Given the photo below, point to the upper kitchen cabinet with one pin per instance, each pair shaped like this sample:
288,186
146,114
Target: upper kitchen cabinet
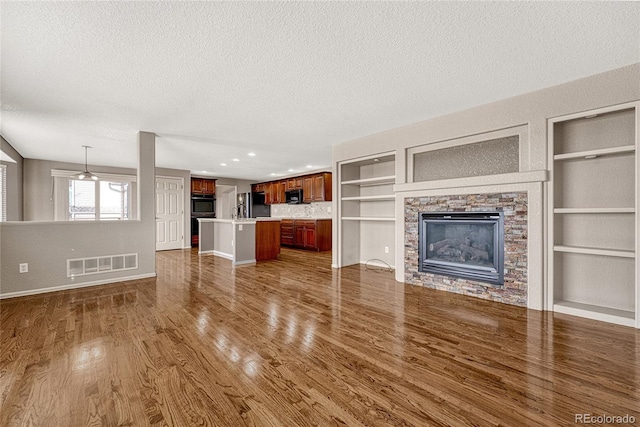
317,188
203,186
258,188
274,192
294,183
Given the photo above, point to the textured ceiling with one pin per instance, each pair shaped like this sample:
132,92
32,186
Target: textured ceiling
285,80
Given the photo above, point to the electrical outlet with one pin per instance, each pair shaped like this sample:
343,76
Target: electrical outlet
386,249
240,227
329,209
24,267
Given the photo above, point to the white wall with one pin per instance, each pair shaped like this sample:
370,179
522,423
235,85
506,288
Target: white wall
46,246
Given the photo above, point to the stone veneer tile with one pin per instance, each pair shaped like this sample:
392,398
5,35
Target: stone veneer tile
514,206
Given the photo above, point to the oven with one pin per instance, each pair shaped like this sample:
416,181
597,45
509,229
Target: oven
203,205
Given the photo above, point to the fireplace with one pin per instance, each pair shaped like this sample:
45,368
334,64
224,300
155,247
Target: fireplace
469,245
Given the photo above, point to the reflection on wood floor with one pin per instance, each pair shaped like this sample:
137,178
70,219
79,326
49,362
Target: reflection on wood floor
291,342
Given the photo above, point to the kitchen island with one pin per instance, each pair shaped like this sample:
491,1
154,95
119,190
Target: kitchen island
243,241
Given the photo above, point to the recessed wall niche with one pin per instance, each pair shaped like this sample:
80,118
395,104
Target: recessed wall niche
489,157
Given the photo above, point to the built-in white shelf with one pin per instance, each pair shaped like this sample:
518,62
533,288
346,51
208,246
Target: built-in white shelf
367,218
594,251
365,198
576,185
600,152
378,180
595,312
594,210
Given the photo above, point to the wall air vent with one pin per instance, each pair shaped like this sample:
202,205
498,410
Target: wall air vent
101,264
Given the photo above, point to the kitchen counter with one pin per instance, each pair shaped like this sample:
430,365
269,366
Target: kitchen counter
243,241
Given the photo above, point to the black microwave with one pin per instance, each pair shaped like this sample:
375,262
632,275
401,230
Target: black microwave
294,196
204,205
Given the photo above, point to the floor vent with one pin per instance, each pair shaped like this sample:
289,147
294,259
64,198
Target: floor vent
102,264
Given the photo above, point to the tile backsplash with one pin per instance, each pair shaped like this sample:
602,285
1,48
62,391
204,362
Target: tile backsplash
311,210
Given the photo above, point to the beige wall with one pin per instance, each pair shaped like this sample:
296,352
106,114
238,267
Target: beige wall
14,182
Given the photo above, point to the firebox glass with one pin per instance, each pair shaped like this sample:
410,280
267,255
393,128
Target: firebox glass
460,243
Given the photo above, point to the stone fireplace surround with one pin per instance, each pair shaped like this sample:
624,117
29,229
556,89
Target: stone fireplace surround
515,207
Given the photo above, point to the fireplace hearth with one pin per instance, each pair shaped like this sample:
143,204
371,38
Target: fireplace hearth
469,245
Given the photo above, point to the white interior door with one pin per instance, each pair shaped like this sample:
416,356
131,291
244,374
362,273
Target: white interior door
169,214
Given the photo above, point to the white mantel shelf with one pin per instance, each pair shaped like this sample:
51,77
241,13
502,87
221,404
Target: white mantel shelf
475,181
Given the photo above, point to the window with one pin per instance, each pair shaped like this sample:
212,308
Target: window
3,193
110,198
90,200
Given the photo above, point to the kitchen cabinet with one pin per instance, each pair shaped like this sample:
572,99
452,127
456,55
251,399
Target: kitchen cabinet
313,234
276,193
286,232
317,188
258,188
203,186
294,183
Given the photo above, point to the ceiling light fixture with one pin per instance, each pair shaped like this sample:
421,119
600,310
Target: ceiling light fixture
252,154
223,164
309,166
272,174
290,170
86,174
235,160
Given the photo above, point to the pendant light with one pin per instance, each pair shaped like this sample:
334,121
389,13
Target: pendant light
86,174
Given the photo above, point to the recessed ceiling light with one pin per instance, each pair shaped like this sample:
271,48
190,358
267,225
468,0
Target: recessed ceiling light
376,160
205,172
252,154
272,174
223,164
236,160
309,166
290,170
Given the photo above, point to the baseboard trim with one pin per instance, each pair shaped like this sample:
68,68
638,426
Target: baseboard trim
223,255
75,286
377,264
249,261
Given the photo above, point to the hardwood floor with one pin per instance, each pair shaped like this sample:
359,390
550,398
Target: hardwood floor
291,342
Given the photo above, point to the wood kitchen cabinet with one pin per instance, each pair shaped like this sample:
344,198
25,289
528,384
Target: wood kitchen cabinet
203,186
317,188
286,232
258,188
294,183
276,193
313,234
